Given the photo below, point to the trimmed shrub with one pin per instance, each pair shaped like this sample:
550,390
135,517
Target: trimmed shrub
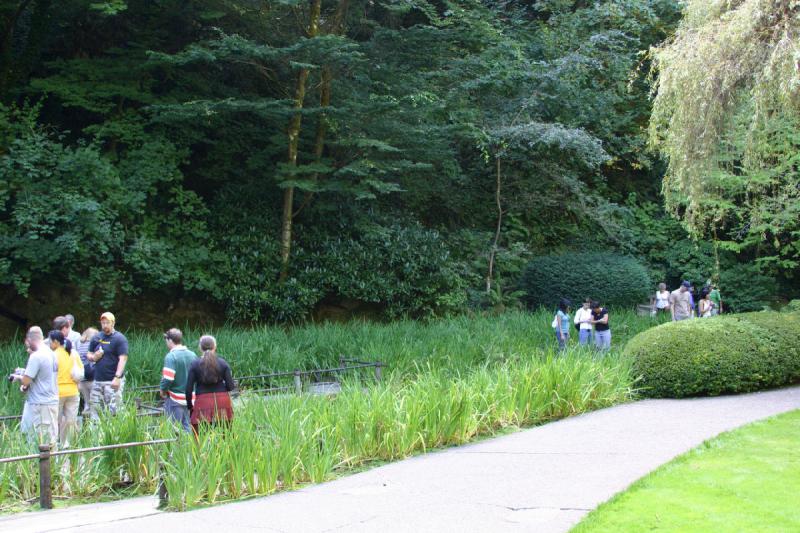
611,279
712,356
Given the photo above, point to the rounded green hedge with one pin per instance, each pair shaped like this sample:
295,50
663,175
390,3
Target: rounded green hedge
611,279
710,356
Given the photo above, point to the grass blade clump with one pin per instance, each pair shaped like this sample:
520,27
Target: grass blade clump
447,383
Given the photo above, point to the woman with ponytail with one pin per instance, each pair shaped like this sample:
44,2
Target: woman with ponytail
208,387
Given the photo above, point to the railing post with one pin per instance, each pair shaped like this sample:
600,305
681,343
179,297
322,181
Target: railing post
298,384
378,371
341,361
45,490
163,496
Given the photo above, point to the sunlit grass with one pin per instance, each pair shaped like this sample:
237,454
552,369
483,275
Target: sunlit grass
406,346
744,480
446,383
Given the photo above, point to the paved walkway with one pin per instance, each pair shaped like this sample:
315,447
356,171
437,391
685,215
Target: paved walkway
543,479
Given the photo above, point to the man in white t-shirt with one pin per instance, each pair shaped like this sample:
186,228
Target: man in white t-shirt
73,336
583,317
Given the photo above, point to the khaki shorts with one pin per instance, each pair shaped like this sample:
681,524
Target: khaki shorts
40,423
67,418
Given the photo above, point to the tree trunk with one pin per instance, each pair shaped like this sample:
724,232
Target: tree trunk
293,135
322,125
6,59
493,251
336,27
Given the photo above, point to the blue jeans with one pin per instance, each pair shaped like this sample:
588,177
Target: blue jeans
585,336
562,340
177,412
602,339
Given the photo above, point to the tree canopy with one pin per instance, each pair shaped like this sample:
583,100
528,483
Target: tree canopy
269,157
725,116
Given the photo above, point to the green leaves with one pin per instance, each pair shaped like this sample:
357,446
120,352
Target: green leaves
607,278
725,118
712,356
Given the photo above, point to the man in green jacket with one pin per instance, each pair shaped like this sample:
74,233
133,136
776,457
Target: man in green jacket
174,376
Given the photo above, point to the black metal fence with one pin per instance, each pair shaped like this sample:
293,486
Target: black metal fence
301,381
266,384
294,381
45,475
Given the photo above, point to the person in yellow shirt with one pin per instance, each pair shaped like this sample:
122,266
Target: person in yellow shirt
68,397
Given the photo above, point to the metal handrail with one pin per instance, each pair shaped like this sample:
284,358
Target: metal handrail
345,365
86,450
354,366
44,455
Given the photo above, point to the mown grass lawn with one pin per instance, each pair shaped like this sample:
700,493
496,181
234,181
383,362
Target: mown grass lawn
747,480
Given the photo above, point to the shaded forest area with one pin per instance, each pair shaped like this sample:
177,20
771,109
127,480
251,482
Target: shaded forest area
265,160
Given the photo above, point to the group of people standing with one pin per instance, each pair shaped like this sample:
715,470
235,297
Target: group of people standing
591,321
66,369
681,303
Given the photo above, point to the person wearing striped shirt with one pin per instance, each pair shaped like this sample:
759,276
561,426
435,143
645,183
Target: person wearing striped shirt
174,376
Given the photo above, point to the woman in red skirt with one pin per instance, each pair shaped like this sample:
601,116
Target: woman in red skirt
208,387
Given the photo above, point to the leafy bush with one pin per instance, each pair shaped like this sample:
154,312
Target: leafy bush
406,270
791,307
745,288
725,354
609,278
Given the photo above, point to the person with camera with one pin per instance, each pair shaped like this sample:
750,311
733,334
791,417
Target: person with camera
38,381
109,353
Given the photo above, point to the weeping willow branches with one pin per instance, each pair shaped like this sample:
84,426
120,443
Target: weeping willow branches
725,113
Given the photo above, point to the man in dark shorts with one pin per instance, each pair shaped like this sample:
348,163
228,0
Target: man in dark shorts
109,351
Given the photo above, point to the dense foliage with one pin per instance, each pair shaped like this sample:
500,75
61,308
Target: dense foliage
725,116
726,354
610,279
267,158
271,156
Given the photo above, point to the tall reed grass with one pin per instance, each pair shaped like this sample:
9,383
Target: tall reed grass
447,381
285,441
405,346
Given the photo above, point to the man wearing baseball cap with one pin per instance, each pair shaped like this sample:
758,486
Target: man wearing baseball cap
109,351
681,302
